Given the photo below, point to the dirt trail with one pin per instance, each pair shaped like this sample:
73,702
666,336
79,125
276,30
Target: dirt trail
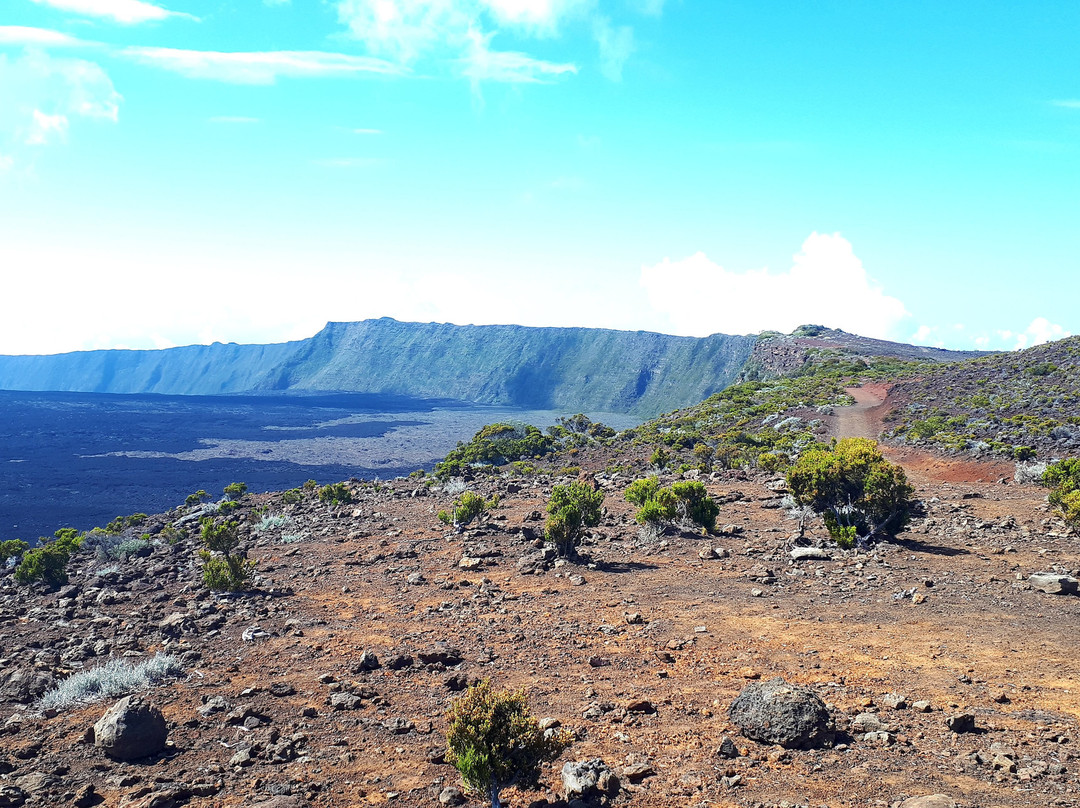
865,419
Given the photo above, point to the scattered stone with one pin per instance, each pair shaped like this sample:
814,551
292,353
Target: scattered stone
641,706
961,722
585,778
131,729
727,749
929,801
87,797
1053,584
282,689
776,712
894,701
921,706
809,554
346,701
451,795
253,633
368,662
636,772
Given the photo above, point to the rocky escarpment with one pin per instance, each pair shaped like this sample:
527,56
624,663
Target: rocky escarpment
579,369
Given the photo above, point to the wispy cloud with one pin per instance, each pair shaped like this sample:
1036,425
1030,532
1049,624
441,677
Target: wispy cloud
38,37
1067,103
616,46
260,67
43,94
480,63
127,12
459,33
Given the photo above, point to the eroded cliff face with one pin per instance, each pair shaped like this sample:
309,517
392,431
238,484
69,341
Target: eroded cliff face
574,368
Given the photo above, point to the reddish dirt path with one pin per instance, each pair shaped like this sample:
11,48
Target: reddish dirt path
865,419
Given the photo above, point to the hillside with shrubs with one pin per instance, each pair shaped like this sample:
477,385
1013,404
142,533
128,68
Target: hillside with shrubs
733,604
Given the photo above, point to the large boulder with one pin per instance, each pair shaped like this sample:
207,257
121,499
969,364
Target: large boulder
131,729
780,713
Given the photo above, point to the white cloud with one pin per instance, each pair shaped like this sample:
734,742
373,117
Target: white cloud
42,94
650,8
259,67
127,12
540,17
1041,330
483,64
45,126
826,284
616,47
37,37
459,32
1067,103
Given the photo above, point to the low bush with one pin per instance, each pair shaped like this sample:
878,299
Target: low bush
494,445
196,498
115,678
11,551
48,563
224,570
494,742
235,491
856,490
335,494
686,502
571,509
1063,480
467,506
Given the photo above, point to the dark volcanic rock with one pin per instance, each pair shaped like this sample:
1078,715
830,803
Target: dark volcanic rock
781,713
131,729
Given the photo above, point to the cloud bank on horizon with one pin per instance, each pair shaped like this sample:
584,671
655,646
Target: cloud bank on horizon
179,171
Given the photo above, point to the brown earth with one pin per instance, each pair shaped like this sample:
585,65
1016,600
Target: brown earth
943,614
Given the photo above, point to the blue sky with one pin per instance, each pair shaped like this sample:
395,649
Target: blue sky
246,170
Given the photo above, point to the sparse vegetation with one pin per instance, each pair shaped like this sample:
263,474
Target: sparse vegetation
224,570
467,507
48,563
856,490
571,509
495,743
686,503
494,445
198,497
11,551
235,491
335,494
115,678
1063,480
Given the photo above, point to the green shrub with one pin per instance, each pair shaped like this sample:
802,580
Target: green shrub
495,743
571,508
48,563
12,550
292,496
659,457
686,500
695,504
235,491
856,490
1063,480
196,498
227,571
335,494
467,507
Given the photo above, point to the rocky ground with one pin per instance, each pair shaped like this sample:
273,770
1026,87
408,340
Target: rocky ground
945,671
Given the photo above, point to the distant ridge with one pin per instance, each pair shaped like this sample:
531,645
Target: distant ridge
587,369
